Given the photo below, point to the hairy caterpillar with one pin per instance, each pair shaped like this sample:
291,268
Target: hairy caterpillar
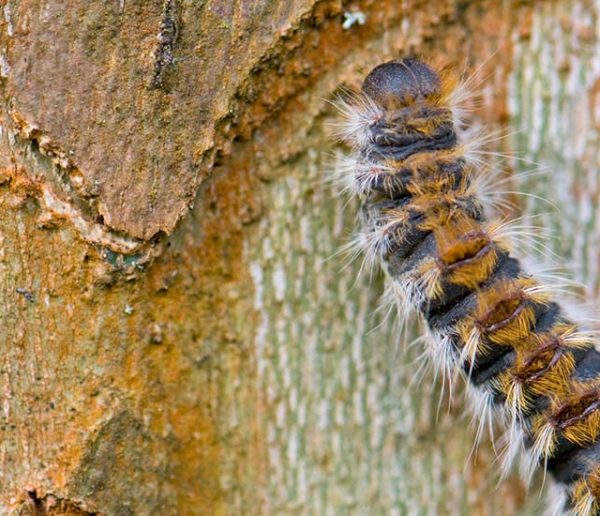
488,319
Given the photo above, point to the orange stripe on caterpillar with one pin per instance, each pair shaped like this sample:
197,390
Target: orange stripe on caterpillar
543,364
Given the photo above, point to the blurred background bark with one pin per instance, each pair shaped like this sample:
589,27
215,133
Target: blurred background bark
178,335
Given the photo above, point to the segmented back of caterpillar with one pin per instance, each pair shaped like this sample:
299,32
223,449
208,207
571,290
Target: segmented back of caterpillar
490,320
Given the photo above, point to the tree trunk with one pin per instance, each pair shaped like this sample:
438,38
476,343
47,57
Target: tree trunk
179,334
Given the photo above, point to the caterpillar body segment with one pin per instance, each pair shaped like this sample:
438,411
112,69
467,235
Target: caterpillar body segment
489,319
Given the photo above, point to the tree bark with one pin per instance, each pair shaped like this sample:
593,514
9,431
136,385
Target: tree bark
179,334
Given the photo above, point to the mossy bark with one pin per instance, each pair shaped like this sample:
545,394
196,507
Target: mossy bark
178,333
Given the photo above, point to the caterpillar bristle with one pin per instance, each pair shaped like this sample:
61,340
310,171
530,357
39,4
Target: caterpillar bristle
587,492
358,112
429,188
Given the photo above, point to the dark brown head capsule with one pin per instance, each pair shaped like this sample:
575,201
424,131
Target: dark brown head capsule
413,121
398,83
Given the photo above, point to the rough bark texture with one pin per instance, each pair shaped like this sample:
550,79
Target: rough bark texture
177,336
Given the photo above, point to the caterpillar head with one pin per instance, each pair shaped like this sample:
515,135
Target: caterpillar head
413,115
401,83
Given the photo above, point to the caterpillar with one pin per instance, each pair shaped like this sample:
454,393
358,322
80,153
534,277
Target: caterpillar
417,172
